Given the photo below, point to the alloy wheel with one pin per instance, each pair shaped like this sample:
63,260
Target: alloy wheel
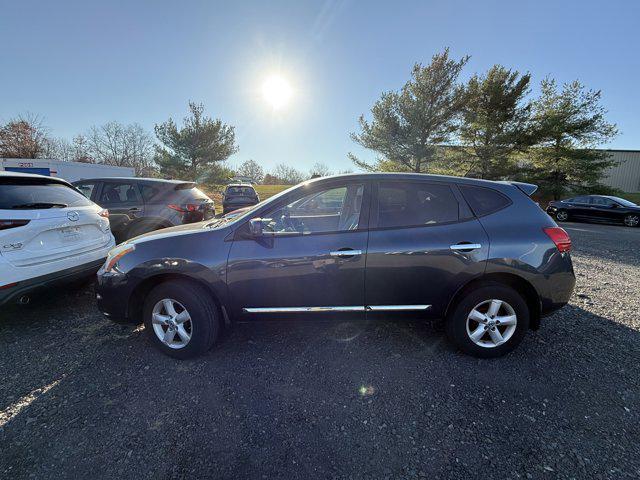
631,220
491,323
172,323
562,216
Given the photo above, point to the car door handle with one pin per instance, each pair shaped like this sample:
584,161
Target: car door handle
345,253
134,209
466,246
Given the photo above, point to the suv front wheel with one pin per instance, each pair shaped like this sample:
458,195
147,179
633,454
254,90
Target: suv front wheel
181,318
489,321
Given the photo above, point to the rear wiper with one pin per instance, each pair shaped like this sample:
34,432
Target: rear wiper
39,205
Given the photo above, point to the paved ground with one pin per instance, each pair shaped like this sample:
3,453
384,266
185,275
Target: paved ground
82,398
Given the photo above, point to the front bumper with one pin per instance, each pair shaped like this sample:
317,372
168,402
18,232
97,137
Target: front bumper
38,285
112,292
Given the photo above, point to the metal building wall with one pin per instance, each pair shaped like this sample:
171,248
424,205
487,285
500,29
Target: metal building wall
625,176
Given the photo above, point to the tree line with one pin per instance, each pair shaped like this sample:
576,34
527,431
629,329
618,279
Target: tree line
488,127
196,150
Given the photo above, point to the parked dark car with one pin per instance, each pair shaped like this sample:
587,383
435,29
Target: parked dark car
142,205
596,208
238,195
481,255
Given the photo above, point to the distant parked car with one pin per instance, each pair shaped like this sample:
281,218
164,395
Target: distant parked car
49,234
142,205
350,247
238,195
596,208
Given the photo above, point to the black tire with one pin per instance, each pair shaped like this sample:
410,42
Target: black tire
205,319
562,216
456,321
631,220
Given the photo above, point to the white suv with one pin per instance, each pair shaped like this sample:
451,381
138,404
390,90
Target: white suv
49,234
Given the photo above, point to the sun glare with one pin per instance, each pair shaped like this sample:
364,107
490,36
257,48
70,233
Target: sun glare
276,91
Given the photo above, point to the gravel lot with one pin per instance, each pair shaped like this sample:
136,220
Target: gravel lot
82,398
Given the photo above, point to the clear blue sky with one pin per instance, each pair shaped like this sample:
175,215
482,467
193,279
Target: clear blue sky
83,63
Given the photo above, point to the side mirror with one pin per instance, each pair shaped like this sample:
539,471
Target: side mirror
255,227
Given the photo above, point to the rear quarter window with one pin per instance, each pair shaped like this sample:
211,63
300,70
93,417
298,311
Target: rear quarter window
483,200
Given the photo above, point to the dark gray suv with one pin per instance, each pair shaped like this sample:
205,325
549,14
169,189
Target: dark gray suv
481,255
237,196
142,205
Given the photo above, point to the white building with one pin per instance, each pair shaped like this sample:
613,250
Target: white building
69,171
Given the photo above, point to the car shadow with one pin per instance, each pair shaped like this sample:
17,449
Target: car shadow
289,399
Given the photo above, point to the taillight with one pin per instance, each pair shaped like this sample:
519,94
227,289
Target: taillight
189,207
560,238
177,208
6,224
104,213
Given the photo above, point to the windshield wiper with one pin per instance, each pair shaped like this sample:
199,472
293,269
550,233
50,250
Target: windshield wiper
39,205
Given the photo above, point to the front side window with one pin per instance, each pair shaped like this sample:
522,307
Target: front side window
332,210
580,200
119,193
415,204
21,195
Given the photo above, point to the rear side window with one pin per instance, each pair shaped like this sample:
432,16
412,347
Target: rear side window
119,193
402,204
484,201
21,195
86,188
148,191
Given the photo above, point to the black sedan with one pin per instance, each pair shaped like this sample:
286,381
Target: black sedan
596,208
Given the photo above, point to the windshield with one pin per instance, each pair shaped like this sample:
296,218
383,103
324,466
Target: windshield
624,202
234,217
16,196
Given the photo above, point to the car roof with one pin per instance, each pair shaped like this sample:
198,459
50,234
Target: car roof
416,176
239,185
34,176
137,179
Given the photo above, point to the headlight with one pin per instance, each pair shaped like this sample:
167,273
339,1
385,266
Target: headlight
116,254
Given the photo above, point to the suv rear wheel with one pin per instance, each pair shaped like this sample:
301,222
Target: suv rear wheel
181,319
489,321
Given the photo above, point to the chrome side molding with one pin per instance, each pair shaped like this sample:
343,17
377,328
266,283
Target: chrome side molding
345,253
396,308
466,246
303,309
355,308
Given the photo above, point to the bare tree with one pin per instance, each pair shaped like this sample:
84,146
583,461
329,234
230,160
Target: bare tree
287,175
76,150
320,170
121,145
24,137
251,169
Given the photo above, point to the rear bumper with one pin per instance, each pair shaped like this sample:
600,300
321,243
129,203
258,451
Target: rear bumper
230,207
38,285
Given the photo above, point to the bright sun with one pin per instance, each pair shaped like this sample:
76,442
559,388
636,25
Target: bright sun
276,90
